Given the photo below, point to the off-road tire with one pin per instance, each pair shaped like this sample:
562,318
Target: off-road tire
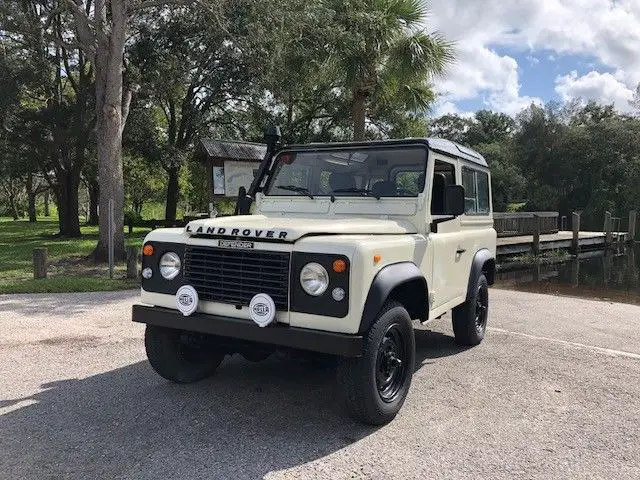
358,377
174,360
470,318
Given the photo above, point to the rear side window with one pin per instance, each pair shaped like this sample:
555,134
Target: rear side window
476,191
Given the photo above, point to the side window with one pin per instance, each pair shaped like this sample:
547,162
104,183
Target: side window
476,191
483,192
444,174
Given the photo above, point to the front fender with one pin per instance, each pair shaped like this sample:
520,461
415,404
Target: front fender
483,261
385,285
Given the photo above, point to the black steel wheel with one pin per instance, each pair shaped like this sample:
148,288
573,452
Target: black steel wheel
470,318
481,308
376,384
391,367
175,355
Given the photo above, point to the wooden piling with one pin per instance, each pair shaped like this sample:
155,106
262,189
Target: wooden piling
575,225
632,226
608,234
536,234
40,260
132,262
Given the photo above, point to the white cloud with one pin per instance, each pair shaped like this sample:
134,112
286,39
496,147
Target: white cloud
608,30
603,87
533,60
481,72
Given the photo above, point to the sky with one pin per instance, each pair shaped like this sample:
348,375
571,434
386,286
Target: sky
511,53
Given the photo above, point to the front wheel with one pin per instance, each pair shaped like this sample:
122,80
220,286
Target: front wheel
470,318
376,384
175,356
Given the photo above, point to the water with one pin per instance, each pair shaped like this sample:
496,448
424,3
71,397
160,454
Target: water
612,275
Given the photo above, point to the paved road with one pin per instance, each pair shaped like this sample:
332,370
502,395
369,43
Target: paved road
553,392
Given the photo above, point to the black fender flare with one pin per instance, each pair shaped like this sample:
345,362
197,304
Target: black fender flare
385,281
480,259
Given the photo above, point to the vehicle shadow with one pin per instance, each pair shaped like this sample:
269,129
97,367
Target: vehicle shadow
432,344
245,421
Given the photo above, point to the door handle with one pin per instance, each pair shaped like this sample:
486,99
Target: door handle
460,250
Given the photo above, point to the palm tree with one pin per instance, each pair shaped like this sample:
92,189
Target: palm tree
385,55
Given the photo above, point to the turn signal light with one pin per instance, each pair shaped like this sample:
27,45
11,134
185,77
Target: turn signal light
339,266
147,251
377,258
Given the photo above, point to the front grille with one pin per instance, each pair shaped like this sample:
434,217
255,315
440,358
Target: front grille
235,276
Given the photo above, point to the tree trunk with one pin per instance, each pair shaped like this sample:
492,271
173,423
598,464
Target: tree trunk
31,195
109,125
47,213
94,192
173,192
358,114
111,183
67,198
12,202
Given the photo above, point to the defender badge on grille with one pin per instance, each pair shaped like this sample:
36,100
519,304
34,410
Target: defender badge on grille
262,309
187,300
235,244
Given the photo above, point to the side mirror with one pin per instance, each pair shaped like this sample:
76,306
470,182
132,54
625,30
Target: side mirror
454,200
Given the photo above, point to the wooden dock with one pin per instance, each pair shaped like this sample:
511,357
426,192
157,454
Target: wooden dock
561,240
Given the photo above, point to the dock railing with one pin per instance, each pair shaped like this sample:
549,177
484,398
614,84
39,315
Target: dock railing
509,224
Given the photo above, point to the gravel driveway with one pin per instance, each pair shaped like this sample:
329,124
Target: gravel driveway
553,392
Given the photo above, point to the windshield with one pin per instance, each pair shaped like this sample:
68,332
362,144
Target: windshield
361,172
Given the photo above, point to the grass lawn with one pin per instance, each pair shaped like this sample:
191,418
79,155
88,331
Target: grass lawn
69,269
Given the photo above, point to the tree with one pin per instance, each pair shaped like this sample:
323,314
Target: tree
489,127
451,127
383,53
100,31
144,183
50,129
191,75
635,101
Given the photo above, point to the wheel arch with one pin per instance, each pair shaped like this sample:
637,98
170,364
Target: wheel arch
402,282
483,263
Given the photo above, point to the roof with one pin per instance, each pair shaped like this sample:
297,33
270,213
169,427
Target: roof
440,145
233,150
455,149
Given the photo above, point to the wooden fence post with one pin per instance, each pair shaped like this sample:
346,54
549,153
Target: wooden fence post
40,262
608,235
632,226
132,262
536,234
575,226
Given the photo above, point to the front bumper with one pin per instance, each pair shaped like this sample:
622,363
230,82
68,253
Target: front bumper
282,335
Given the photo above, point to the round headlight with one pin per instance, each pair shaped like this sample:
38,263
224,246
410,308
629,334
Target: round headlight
314,279
169,265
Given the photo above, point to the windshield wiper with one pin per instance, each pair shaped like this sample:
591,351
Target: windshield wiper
366,191
294,188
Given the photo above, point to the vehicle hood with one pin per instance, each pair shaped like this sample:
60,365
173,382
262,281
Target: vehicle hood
290,229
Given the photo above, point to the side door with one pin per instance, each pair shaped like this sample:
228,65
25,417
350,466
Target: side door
450,252
476,225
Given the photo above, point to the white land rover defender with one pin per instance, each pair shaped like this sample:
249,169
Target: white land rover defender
347,245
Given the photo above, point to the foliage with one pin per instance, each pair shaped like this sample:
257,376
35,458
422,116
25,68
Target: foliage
144,183
562,158
384,56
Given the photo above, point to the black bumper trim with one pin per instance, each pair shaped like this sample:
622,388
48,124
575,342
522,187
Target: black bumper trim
333,343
